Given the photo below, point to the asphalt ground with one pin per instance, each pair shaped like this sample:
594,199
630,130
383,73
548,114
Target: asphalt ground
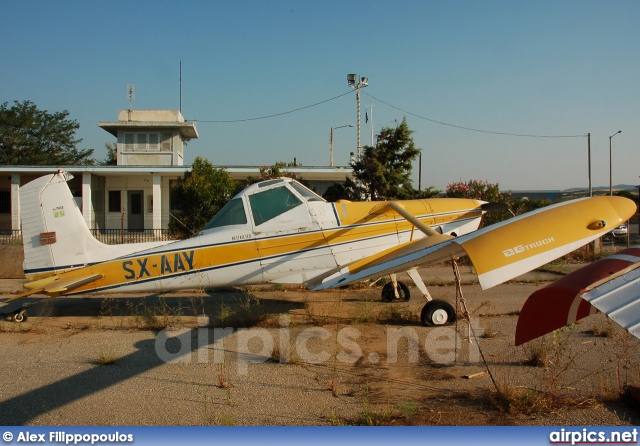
295,357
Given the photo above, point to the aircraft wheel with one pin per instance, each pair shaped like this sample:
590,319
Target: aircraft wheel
20,316
438,312
389,296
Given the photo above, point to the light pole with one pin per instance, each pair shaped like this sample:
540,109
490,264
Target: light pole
331,142
357,82
610,168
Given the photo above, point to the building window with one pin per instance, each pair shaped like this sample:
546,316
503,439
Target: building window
115,201
147,142
128,142
141,142
165,142
154,142
5,202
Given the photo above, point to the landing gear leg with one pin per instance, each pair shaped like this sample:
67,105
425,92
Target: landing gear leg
20,315
395,291
436,311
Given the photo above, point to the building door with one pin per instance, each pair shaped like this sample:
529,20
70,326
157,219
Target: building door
136,211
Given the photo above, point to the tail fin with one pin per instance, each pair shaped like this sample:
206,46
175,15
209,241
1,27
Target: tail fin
55,235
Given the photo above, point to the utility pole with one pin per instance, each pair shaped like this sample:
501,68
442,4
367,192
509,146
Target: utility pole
371,105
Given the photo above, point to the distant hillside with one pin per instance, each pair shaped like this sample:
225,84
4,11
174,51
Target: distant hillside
615,187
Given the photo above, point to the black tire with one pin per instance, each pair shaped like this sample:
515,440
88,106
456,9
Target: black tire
389,296
438,312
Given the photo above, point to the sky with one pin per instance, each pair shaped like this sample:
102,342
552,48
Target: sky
467,75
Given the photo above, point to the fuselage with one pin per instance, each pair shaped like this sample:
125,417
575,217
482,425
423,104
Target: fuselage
278,232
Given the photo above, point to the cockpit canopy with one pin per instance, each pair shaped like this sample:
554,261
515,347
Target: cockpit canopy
265,200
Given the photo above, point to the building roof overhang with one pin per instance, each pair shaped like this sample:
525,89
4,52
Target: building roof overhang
187,129
319,173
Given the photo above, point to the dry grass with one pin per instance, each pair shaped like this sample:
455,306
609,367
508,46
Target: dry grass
527,401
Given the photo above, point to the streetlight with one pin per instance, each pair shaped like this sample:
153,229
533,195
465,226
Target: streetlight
331,142
357,82
610,175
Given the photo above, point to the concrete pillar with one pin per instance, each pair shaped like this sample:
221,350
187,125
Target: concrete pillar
157,203
86,198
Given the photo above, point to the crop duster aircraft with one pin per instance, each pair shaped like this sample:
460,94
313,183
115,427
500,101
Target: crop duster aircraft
278,231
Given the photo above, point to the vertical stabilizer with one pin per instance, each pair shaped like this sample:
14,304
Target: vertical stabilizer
55,235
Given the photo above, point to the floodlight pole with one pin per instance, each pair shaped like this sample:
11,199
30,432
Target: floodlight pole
361,82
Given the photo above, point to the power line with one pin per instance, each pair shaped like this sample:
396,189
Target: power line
472,129
274,115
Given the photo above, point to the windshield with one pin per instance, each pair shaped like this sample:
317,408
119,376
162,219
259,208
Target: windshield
271,203
231,214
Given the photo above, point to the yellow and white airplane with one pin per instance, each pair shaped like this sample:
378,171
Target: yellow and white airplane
278,231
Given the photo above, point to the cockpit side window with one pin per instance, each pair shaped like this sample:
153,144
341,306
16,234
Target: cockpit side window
271,203
306,193
231,214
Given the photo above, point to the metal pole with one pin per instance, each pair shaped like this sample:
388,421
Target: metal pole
420,172
610,164
358,99
589,162
331,148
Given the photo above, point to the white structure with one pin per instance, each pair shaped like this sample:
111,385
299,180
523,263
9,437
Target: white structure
150,137
133,197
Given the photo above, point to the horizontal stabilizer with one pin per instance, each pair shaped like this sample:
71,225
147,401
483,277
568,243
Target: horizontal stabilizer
69,283
562,302
619,298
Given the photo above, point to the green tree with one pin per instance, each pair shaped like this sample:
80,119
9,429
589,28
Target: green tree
277,170
112,154
198,196
30,136
626,194
384,170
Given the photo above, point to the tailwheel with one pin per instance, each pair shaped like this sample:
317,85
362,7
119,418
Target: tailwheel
388,294
20,316
438,312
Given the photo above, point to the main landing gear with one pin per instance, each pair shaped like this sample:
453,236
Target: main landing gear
435,312
19,315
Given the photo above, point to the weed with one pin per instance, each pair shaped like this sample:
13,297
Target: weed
225,420
394,315
526,401
370,417
408,408
106,357
537,353
603,330
489,332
